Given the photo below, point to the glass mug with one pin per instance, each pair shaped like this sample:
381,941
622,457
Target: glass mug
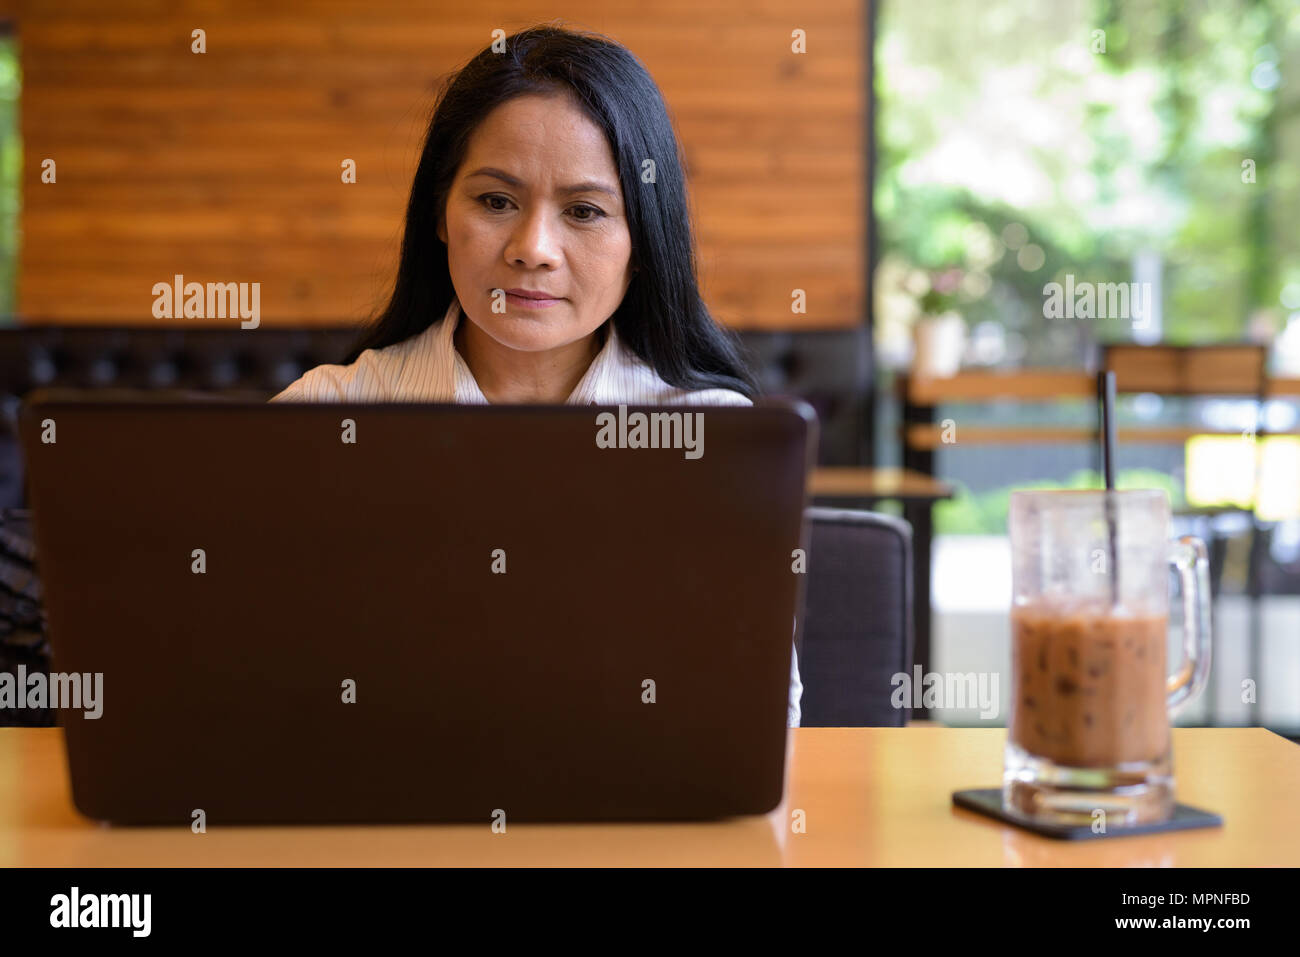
1091,697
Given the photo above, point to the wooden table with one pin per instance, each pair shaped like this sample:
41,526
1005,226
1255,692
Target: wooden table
875,484
870,796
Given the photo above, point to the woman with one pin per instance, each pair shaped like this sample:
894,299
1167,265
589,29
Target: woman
548,254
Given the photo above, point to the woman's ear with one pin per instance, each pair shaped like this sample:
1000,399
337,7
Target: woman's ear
442,228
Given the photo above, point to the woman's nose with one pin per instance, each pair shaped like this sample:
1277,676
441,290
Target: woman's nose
534,242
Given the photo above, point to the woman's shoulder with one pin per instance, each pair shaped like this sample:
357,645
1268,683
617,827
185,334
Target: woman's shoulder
633,380
380,374
646,387
704,397
373,375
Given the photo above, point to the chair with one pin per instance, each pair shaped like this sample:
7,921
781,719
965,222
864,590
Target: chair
856,631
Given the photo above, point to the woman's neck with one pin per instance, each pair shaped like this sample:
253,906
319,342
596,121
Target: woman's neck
506,375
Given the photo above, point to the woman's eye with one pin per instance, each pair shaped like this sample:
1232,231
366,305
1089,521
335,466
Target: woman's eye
589,213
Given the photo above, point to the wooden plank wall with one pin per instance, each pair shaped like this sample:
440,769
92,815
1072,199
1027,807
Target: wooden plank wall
225,166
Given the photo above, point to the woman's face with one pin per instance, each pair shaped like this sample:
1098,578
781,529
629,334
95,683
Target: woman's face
536,205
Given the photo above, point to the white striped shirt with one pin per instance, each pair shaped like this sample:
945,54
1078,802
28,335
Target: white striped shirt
427,368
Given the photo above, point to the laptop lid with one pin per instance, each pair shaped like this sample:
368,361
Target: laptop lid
410,612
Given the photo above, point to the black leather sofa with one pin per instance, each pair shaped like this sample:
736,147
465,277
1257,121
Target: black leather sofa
829,369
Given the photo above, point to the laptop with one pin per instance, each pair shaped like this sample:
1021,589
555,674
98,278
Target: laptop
406,612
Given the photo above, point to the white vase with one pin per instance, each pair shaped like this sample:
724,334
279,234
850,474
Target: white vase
940,342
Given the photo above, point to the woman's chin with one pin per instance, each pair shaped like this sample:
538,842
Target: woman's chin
530,333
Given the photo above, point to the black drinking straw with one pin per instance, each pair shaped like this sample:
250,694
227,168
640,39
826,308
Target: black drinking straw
1106,396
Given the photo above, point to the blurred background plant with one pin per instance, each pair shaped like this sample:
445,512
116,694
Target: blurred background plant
1118,140
942,294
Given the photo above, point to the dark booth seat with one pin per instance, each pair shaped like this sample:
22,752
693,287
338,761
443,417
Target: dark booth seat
829,369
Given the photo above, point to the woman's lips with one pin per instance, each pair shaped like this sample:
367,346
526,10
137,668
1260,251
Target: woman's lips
526,303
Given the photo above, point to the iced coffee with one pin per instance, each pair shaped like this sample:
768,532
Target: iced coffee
1089,684
1088,739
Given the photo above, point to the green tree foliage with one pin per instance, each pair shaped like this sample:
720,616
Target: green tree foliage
1020,141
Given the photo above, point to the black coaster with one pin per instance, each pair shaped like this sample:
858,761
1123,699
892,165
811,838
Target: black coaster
988,801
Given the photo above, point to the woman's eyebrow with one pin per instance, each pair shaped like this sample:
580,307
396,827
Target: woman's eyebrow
590,186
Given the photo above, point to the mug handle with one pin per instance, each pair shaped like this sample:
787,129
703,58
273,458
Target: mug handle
1189,558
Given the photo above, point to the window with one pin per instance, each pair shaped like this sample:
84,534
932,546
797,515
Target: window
1124,141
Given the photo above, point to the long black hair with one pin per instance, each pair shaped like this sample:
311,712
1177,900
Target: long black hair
662,318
